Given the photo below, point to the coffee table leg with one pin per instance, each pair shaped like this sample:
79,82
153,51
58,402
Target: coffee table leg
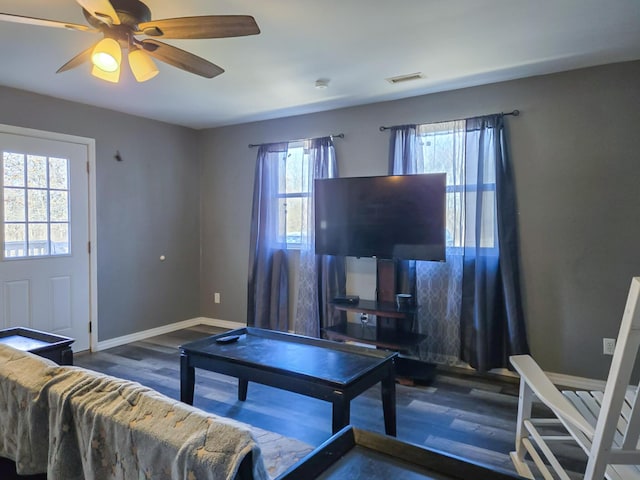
389,403
66,356
187,380
243,385
341,414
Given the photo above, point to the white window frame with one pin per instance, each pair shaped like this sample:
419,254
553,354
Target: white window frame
463,188
28,252
285,242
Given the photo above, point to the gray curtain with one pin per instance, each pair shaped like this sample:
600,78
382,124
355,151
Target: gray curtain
403,150
403,161
492,323
268,284
321,277
471,303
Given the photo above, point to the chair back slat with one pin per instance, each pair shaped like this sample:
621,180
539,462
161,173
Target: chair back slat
623,418
633,429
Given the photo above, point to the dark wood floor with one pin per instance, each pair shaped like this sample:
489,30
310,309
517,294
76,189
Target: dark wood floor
470,416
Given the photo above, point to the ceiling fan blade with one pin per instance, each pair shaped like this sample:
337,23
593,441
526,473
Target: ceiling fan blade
78,60
8,17
207,26
102,10
180,58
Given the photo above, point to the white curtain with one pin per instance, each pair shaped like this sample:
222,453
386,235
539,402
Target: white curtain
436,148
441,148
320,277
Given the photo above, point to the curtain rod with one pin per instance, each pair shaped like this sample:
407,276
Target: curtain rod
515,113
337,135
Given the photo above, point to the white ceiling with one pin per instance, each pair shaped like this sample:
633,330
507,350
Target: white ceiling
355,44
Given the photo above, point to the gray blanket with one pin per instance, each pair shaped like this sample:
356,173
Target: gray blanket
77,424
105,428
24,414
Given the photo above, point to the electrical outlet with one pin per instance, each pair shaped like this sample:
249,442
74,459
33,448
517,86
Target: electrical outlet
608,346
216,297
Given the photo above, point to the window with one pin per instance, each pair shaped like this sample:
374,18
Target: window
293,195
444,149
36,205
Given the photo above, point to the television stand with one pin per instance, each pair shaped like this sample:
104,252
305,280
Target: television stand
393,329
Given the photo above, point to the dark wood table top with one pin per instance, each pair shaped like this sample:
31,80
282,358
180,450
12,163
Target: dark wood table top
327,361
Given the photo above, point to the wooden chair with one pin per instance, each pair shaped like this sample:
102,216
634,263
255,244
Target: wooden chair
606,425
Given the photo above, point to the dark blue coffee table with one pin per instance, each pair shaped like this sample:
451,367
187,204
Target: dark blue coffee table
331,371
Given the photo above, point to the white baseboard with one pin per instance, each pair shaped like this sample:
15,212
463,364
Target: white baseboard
216,322
172,327
570,381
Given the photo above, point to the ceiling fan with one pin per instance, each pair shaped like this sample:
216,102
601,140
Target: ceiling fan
122,21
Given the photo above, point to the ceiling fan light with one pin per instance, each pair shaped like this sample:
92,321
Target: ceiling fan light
142,65
112,77
107,55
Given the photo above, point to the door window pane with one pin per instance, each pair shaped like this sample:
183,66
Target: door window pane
58,173
13,169
59,206
38,239
15,240
37,201
36,171
14,206
59,238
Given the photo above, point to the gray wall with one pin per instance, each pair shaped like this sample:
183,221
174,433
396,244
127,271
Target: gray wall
577,173
147,206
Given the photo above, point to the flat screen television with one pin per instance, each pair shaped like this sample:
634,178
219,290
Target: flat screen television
388,217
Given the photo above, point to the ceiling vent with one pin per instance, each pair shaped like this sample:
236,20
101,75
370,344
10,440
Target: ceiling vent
405,78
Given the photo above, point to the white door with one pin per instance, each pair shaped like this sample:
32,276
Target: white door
44,264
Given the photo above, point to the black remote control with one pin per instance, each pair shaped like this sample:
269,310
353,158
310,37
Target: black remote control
228,339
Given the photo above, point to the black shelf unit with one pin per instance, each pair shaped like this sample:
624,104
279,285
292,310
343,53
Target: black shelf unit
370,334
385,309
393,329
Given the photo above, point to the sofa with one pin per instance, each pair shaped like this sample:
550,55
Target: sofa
68,423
